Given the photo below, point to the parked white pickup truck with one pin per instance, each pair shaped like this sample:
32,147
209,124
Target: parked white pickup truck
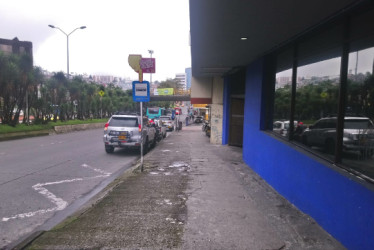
124,131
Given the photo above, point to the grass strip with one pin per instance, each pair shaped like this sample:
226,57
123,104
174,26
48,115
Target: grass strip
5,129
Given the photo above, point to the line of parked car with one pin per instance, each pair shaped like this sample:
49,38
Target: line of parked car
124,130
358,134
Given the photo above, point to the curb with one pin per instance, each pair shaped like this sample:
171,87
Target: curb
95,199
77,127
25,134
135,169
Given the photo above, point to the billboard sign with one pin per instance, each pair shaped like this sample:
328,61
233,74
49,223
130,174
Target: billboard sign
164,91
148,65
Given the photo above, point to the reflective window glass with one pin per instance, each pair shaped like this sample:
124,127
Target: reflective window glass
317,105
358,141
319,92
282,101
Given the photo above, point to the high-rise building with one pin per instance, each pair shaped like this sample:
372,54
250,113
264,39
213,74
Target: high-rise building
188,77
181,77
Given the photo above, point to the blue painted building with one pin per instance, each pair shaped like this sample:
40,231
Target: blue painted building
266,63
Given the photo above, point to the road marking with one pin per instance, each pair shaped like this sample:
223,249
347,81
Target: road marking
60,204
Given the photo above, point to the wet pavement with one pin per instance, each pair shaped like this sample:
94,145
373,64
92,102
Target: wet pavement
191,195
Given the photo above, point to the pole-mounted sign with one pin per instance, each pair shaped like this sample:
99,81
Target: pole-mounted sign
140,91
142,65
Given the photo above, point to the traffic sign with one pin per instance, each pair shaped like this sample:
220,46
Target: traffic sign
101,93
140,91
324,94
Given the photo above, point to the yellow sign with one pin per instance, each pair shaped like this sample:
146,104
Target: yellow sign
134,62
324,95
199,105
101,93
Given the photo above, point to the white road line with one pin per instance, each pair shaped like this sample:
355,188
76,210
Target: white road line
106,174
59,202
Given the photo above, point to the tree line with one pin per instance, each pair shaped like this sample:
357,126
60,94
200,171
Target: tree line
314,101
25,89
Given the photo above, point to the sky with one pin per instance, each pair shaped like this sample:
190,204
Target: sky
363,60
115,29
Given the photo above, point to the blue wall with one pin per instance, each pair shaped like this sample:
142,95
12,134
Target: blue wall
342,205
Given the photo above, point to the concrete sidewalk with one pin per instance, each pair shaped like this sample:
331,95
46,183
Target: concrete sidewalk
191,195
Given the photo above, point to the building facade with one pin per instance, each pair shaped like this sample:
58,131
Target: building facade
15,46
188,77
324,66
181,77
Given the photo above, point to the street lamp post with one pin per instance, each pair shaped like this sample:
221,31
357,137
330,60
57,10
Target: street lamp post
151,52
67,43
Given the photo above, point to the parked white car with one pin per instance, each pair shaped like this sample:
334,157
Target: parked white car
167,122
160,130
125,131
358,134
282,127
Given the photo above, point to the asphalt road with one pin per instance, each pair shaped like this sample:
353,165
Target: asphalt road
44,179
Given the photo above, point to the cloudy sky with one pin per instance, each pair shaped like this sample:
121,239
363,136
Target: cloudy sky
115,29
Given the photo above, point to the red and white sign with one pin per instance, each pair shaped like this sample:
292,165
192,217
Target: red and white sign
148,65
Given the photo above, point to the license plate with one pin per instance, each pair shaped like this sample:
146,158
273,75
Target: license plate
122,137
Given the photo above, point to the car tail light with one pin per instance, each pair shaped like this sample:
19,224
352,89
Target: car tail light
106,126
140,127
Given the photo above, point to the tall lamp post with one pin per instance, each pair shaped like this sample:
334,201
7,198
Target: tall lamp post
151,52
67,43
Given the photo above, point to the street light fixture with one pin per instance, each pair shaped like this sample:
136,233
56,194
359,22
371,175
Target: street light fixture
150,52
67,43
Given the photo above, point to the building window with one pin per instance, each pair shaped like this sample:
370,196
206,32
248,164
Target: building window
7,49
316,105
358,141
332,111
282,95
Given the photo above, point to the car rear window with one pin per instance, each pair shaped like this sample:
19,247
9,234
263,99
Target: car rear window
123,122
163,118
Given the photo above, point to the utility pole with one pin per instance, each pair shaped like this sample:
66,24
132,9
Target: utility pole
150,52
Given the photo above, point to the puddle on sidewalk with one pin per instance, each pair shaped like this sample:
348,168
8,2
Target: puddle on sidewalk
175,167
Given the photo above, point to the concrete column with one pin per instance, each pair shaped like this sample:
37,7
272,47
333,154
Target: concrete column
216,111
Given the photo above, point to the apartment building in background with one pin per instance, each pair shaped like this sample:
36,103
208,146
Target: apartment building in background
188,77
15,46
181,77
